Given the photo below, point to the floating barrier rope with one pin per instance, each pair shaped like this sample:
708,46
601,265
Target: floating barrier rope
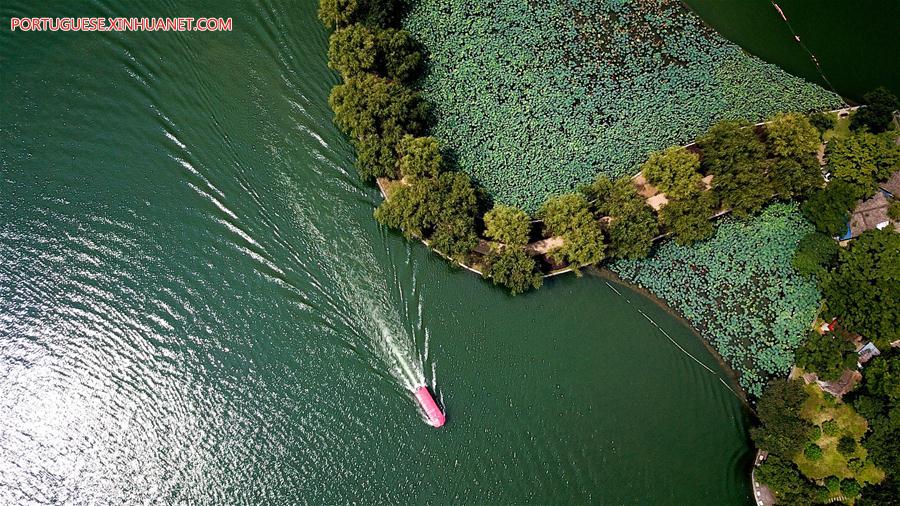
804,47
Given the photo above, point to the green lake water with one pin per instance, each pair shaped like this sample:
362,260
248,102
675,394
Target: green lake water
855,42
196,305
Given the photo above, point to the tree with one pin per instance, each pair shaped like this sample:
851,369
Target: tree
877,115
376,113
812,451
440,209
387,52
863,159
816,253
894,211
792,136
829,208
689,219
674,171
827,355
846,445
632,225
785,480
850,488
783,431
863,292
569,216
512,268
340,13
733,153
508,225
796,177
882,377
419,156
823,121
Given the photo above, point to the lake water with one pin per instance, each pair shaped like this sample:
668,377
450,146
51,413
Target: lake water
196,305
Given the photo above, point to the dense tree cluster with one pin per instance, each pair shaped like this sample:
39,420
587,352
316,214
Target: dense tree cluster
827,355
675,171
829,208
736,157
688,219
863,159
631,224
877,115
512,268
815,255
783,430
386,52
419,157
792,142
569,216
863,291
508,225
377,13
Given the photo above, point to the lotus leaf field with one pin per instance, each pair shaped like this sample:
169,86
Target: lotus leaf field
739,290
533,99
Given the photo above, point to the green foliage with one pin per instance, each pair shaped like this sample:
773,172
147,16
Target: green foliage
823,121
830,427
833,484
508,225
739,290
376,113
850,488
340,13
440,209
855,465
537,97
815,433
795,178
880,402
894,210
829,208
689,219
827,355
863,159
675,171
791,135
863,291
387,52
816,253
419,157
736,157
782,431
785,481
813,451
877,115
632,225
569,216
846,445
512,268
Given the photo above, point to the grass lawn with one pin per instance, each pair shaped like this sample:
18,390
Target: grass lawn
820,408
841,129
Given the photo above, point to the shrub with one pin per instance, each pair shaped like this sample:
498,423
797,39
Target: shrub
850,488
812,451
815,433
855,465
512,268
846,445
508,225
830,427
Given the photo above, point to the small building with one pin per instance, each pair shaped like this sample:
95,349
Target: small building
892,186
867,352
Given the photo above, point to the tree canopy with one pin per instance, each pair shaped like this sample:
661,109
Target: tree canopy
508,225
783,431
376,113
795,177
829,208
877,115
569,216
827,355
689,219
340,13
791,135
736,156
419,156
512,268
387,52
632,224
815,255
823,121
863,159
675,171
863,291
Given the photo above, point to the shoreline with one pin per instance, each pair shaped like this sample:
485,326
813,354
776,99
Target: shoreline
608,275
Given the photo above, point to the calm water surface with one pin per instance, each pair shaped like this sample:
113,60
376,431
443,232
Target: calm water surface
196,305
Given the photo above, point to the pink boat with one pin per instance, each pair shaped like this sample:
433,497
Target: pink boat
435,416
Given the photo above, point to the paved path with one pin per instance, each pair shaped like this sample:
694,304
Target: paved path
761,493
